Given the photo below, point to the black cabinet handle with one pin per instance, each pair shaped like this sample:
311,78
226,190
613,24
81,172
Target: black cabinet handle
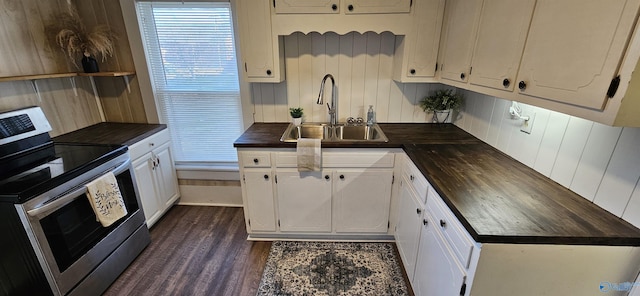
522,85
341,177
425,222
506,82
334,7
269,72
418,210
326,177
412,71
266,177
462,76
411,178
443,223
350,7
255,160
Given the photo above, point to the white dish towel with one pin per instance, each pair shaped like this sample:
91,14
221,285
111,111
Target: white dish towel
309,155
106,200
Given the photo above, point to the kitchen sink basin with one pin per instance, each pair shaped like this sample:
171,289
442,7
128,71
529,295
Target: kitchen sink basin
340,132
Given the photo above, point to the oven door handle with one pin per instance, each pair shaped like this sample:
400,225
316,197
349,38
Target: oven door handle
57,202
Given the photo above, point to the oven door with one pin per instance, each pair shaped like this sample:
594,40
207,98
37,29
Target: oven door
63,230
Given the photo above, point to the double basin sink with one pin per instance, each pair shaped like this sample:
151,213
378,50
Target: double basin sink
335,133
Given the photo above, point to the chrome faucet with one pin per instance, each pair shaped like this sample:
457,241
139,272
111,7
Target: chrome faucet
333,108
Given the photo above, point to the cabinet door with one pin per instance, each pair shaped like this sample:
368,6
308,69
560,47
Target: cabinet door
144,171
304,201
408,227
437,270
417,52
307,6
502,32
362,200
461,23
166,175
377,6
260,49
259,195
574,48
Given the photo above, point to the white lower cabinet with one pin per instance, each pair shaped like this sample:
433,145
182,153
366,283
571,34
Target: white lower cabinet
155,175
304,201
349,198
260,205
408,227
437,271
362,200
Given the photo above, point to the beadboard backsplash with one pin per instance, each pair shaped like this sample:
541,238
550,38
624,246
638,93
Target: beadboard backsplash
601,163
362,65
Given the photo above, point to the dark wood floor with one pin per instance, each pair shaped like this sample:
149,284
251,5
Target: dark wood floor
197,251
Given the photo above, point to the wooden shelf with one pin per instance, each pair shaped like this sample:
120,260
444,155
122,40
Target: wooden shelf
64,75
108,74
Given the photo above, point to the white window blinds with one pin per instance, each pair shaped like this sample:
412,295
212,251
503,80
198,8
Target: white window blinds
191,56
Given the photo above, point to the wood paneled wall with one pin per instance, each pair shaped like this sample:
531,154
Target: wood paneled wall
26,49
599,162
362,65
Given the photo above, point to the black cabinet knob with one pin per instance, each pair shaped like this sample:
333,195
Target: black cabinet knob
425,222
462,76
506,82
341,177
411,177
418,210
255,160
268,72
443,223
266,177
334,7
522,85
326,177
412,71
350,7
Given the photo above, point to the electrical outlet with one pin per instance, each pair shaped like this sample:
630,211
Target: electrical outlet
527,124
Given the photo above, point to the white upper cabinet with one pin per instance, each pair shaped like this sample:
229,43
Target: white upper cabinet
377,6
501,36
262,52
574,49
417,52
458,40
307,6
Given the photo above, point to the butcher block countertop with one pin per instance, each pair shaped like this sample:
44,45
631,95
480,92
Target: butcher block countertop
111,133
496,198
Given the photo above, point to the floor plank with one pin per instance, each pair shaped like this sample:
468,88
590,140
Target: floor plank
198,251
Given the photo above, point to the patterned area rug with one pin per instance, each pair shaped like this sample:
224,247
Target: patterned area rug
319,268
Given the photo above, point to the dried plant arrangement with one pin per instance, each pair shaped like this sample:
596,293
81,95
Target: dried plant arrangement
76,41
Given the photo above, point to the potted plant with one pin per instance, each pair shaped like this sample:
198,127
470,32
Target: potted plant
441,103
296,114
76,41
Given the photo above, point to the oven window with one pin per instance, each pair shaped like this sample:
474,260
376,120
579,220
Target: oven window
73,230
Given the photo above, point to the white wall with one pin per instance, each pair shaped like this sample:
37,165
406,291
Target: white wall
599,162
362,65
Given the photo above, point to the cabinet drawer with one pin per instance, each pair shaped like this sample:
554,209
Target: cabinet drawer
376,159
146,145
457,237
416,179
255,159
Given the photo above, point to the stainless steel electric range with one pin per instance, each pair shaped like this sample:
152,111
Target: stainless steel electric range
51,242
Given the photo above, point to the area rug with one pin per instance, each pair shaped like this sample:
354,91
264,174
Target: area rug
321,268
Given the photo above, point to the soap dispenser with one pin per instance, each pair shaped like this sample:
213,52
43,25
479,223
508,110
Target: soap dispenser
370,115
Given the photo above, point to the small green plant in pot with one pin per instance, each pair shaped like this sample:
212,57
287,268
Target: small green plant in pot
441,103
296,114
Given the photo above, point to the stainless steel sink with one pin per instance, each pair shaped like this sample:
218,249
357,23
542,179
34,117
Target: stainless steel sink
337,133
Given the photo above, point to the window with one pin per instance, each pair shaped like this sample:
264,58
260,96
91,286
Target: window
191,55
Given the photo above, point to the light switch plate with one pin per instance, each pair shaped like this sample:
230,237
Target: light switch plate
527,124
